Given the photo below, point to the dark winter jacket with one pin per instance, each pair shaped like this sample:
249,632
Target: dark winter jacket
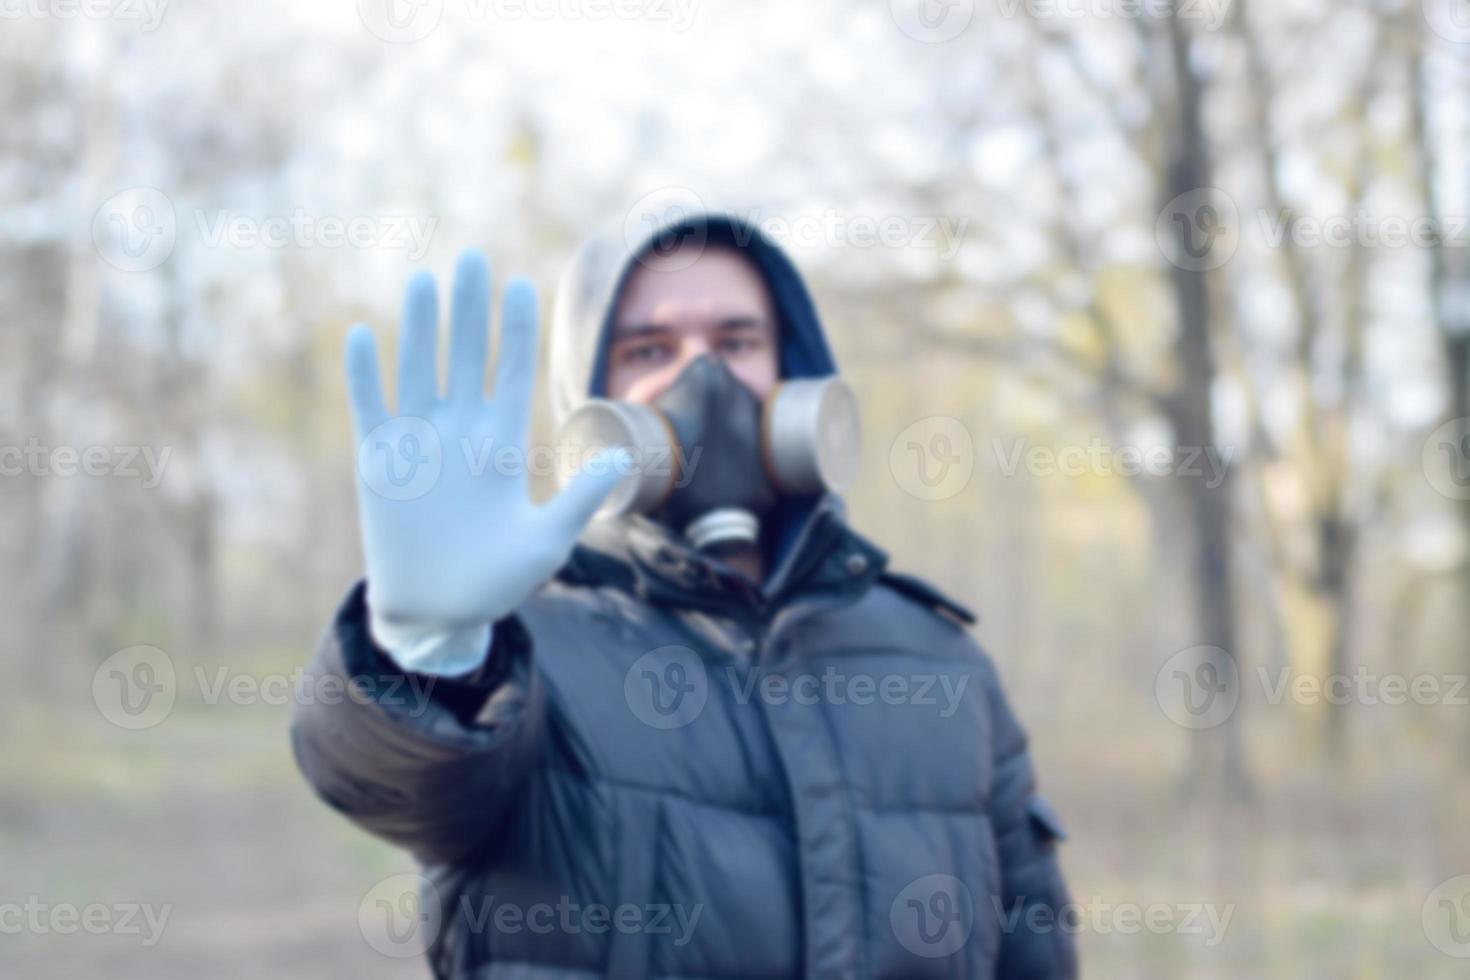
663,771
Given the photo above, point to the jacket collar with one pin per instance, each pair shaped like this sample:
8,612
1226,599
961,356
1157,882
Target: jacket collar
825,554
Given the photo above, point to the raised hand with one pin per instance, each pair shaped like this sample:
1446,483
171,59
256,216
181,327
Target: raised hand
449,530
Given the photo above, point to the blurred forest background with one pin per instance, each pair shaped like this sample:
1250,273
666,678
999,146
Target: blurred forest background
1104,235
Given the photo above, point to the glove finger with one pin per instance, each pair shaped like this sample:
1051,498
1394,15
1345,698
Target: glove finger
364,388
469,326
515,368
569,511
418,385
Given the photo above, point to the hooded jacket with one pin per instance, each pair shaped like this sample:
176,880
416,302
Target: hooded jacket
662,770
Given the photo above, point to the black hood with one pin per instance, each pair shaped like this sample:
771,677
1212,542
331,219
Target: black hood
587,299
591,287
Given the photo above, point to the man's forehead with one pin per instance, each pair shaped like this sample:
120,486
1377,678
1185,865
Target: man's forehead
717,283
672,320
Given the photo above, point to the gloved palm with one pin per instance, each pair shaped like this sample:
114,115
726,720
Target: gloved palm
450,533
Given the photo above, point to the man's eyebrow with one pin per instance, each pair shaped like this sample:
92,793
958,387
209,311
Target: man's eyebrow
639,330
735,321
740,321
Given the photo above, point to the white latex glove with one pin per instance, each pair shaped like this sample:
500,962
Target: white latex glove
452,540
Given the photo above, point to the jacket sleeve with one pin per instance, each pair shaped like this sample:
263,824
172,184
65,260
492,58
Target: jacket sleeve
1037,939
430,764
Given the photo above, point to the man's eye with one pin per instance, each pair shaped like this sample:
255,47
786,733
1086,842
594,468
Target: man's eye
644,353
736,345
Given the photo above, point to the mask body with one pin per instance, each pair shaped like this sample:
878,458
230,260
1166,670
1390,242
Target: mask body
711,459
720,464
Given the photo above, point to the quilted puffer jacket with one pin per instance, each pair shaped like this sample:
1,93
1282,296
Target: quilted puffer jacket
662,770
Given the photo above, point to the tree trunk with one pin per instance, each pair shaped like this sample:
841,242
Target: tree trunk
1218,760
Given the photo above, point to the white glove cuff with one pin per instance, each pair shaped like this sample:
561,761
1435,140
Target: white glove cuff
435,650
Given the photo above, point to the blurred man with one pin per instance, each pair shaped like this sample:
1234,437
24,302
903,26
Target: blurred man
680,721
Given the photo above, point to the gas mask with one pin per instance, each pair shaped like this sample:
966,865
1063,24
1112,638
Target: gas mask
711,459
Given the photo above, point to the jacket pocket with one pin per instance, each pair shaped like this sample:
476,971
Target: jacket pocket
1044,820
